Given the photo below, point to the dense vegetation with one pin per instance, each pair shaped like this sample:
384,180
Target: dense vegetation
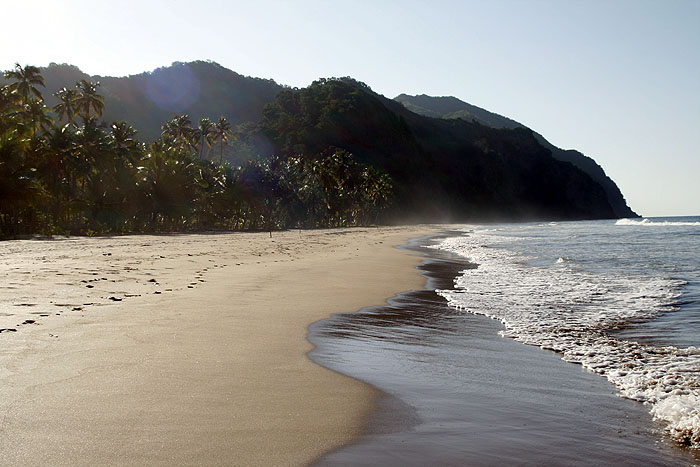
200,89
452,108
63,170
443,170
334,153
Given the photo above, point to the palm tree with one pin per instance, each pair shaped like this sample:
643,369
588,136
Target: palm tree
180,130
7,99
20,192
25,81
222,133
124,142
8,108
88,99
123,134
67,105
204,133
168,186
35,112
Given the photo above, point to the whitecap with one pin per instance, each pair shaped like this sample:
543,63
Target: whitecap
572,312
649,222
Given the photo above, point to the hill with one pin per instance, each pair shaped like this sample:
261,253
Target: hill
443,169
200,89
449,107
473,165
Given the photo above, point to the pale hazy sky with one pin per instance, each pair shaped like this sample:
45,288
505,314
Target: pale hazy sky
617,80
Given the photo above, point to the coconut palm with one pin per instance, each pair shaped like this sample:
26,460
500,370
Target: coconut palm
123,134
67,105
26,80
20,193
204,134
36,113
7,99
124,142
180,131
222,133
8,108
88,100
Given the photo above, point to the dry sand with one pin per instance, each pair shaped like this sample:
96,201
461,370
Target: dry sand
184,349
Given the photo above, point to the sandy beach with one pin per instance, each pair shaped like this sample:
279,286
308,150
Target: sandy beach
185,349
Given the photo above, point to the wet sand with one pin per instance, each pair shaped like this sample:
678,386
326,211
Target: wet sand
184,349
456,393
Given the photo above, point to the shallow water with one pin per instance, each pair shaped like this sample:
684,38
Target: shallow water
620,298
460,394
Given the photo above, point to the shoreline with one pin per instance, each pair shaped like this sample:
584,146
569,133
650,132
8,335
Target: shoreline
213,369
463,390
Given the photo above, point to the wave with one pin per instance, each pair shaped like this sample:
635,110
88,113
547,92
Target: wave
656,223
571,312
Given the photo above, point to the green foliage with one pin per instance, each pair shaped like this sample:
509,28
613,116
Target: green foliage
441,169
214,91
92,178
274,168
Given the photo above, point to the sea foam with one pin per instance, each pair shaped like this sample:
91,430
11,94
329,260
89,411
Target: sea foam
571,311
652,223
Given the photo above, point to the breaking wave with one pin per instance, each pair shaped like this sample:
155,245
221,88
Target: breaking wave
653,223
571,311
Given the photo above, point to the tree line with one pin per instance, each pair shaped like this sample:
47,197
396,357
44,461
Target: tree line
64,171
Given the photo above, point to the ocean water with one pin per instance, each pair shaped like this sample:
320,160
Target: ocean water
533,344
621,298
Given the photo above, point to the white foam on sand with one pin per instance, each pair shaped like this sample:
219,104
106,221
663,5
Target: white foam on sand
570,311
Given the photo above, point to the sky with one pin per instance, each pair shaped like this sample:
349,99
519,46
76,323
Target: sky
617,80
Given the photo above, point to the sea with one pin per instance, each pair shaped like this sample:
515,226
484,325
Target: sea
547,343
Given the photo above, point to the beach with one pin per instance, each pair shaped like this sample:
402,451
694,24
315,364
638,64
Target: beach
198,349
185,348
456,392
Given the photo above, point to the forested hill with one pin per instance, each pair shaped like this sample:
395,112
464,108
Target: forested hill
200,89
486,167
450,107
443,169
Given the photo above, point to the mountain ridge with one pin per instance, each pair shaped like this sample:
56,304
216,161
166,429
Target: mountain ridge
148,99
450,107
460,170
